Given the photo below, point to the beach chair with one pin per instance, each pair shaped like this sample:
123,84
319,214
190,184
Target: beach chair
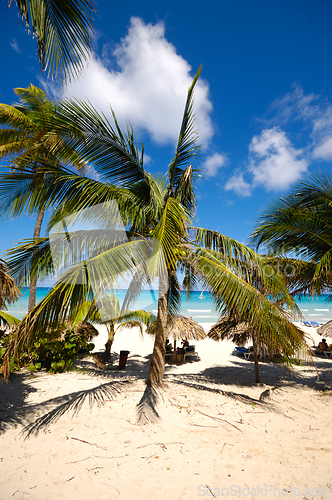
168,353
319,351
248,353
307,323
190,351
168,356
315,324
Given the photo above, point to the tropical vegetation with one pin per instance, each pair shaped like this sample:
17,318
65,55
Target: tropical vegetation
62,29
28,138
158,239
297,229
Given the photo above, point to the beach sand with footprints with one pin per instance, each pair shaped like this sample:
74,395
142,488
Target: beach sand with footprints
87,434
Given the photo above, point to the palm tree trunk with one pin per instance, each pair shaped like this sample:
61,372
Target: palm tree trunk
33,278
157,366
254,343
110,340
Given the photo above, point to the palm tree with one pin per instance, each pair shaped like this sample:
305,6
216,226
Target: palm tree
28,138
301,223
115,318
158,214
267,321
62,29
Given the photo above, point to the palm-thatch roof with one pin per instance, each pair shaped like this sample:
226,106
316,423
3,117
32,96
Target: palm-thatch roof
180,328
325,330
228,328
86,330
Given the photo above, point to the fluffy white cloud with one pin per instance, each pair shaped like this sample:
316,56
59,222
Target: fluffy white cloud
149,88
239,185
275,163
213,163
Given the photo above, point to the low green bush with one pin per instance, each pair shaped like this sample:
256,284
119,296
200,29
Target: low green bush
55,355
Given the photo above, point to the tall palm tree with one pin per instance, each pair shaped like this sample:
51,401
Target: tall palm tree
158,214
301,224
27,138
62,29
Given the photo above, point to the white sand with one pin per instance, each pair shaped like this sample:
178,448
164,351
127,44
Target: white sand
218,431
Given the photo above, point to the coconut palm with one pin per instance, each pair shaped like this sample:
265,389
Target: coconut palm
158,214
301,223
115,318
27,138
62,29
267,320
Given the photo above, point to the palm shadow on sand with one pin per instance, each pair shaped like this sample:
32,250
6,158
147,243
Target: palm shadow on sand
16,411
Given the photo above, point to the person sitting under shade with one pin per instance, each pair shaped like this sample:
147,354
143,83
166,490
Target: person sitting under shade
168,347
323,345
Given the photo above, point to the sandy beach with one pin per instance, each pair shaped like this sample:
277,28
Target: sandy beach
81,434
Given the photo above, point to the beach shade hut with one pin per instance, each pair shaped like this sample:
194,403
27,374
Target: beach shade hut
326,329
86,330
239,332
180,328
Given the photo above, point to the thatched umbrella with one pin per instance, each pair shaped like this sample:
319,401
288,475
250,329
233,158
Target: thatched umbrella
239,332
326,329
180,328
86,330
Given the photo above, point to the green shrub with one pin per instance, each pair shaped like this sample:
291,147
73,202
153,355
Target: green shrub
55,355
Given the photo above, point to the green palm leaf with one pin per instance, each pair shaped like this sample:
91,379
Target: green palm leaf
62,29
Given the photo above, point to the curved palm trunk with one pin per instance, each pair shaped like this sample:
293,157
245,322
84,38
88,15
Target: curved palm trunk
110,339
33,279
157,366
254,343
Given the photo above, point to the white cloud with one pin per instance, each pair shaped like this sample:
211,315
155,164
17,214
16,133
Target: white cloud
324,150
213,163
149,88
275,163
238,184
296,105
314,111
15,46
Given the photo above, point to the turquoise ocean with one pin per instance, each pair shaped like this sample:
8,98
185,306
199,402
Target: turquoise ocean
199,306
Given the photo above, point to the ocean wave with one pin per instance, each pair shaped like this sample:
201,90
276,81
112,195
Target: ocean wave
322,309
304,309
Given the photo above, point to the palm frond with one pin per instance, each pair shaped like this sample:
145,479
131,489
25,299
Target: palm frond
63,31
9,292
90,133
187,148
8,319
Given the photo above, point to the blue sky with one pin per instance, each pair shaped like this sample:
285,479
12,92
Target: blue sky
263,102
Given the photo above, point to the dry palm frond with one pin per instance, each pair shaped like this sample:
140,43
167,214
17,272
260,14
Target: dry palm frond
8,290
181,328
326,329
